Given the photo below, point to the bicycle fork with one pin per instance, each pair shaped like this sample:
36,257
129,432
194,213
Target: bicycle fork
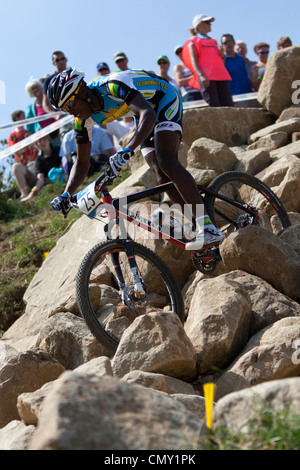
137,291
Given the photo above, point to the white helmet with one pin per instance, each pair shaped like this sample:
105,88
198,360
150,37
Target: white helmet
63,86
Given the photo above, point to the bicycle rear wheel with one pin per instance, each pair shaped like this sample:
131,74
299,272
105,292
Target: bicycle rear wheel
249,191
98,293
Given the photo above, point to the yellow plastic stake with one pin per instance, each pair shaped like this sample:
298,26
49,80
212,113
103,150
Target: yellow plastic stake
209,391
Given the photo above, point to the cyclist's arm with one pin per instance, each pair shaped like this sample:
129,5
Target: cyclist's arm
146,120
80,168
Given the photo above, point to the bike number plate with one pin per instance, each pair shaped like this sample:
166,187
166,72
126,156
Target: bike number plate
87,200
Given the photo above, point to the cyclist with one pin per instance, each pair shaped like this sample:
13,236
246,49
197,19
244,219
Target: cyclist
157,108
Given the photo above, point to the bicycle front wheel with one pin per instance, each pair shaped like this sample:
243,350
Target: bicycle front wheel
248,191
105,279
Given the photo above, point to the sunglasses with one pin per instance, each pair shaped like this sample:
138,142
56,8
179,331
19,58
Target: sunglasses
227,42
59,60
206,22
162,62
263,52
71,101
69,104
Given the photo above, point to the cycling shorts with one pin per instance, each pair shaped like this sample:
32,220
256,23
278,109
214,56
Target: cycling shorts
169,118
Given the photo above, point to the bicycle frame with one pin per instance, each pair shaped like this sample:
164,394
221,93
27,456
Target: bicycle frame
116,210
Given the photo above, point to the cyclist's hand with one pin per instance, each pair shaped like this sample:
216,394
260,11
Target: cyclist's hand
61,203
119,159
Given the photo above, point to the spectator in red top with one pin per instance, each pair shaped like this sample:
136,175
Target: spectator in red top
29,154
202,55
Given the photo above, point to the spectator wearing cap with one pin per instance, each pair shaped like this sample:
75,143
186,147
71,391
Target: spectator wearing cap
236,67
121,60
202,55
103,69
262,49
163,68
182,76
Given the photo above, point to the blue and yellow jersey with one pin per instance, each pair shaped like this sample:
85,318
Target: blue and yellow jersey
117,91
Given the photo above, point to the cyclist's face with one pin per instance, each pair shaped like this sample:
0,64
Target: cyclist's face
81,109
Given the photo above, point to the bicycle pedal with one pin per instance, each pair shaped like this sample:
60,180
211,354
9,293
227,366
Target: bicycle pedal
209,253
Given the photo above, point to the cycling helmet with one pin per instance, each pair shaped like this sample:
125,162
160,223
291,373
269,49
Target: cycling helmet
63,86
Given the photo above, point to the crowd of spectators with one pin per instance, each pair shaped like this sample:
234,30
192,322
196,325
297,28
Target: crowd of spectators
206,70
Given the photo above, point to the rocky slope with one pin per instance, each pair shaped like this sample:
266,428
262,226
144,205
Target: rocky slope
60,389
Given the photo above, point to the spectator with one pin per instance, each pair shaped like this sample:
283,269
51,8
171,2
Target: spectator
34,89
27,156
121,60
284,42
163,69
182,76
202,55
241,49
101,150
262,49
103,69
59,61
236,67
47,159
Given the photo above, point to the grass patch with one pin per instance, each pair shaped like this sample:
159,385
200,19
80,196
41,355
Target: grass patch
268,429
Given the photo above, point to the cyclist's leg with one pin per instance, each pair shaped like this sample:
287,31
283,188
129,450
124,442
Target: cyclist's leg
166,146
163,178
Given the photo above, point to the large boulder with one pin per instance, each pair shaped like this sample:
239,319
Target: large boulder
269,354
276,90
283,177
231,126
103,413
238,410
209,154
218,321
258,251
25,372
156,342
287,126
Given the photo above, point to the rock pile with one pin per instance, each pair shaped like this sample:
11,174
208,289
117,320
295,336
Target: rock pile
60,388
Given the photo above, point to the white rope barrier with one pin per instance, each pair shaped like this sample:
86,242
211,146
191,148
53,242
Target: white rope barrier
36,136
31,120
235,98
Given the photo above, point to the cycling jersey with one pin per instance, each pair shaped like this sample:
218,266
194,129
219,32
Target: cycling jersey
117,90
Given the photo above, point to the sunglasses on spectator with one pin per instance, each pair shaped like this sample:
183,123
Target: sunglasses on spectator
59,60
163,62
227,42
206,22
263,52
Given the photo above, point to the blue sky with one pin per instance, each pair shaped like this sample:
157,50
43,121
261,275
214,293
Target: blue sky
90,32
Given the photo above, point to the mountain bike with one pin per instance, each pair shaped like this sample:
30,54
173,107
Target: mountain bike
120,279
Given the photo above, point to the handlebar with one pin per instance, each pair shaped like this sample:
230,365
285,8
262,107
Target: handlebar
102,181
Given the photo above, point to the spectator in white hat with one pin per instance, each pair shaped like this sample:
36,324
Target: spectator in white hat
202,55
